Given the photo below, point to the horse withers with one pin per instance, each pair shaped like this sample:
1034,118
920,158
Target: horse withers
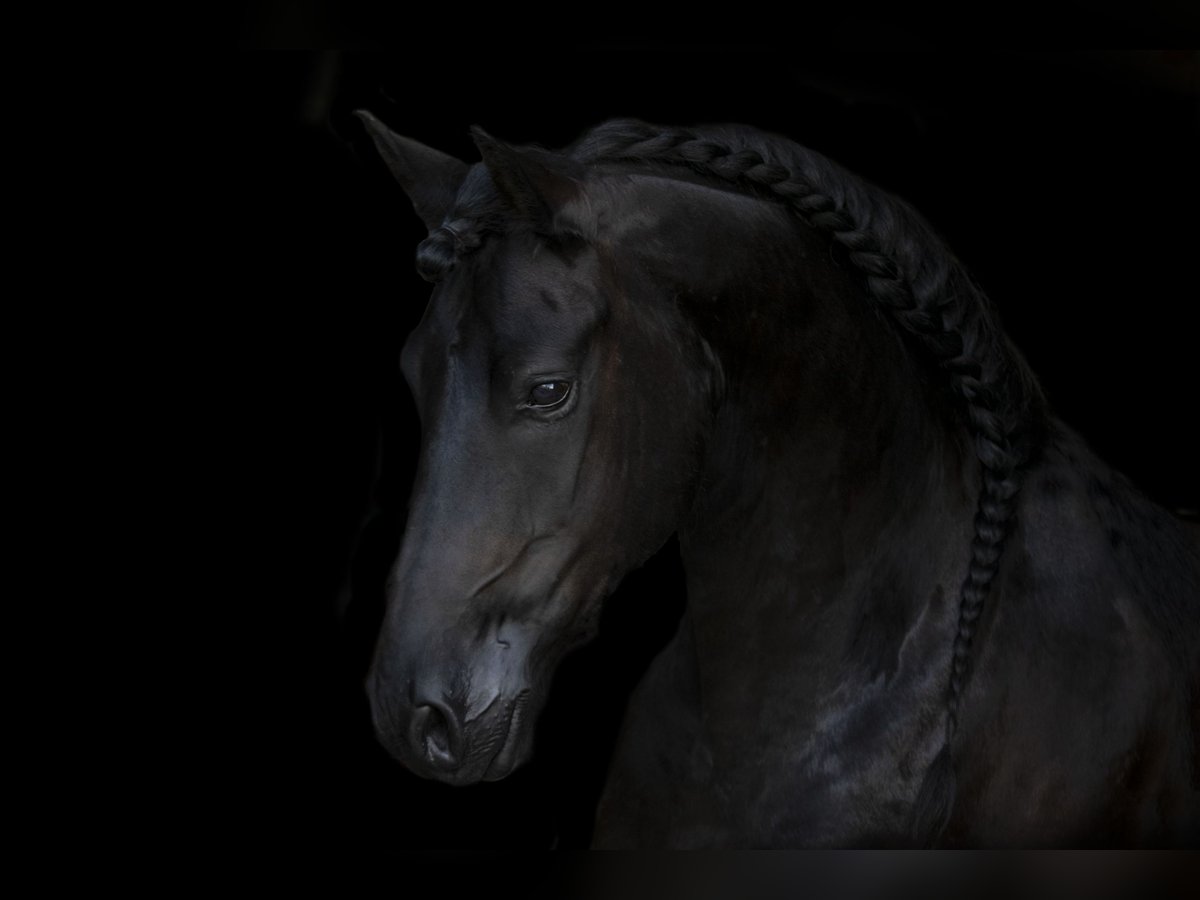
919,609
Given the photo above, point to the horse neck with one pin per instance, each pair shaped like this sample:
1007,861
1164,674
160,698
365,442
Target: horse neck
837,491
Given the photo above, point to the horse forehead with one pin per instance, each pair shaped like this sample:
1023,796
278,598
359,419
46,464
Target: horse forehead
526,285
515,292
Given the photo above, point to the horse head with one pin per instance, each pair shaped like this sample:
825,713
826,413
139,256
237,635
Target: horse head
561,404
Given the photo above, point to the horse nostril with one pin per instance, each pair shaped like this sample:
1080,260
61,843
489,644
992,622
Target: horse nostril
434,732
437,733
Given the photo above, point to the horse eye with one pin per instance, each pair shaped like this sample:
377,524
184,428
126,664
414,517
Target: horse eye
549,394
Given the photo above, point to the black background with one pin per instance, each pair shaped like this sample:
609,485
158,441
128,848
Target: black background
1067,182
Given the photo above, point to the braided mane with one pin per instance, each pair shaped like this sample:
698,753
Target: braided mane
915,280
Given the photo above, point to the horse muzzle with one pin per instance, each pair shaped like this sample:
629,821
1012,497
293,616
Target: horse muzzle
457,741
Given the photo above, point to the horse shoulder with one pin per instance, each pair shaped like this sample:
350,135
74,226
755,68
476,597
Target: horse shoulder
1090,661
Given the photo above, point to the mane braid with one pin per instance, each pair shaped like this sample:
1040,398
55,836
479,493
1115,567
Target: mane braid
928,294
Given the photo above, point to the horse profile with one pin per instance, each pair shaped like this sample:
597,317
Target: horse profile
919,609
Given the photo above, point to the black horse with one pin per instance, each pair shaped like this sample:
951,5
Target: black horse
919,609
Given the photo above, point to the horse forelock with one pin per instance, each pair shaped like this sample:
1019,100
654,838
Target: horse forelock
477,211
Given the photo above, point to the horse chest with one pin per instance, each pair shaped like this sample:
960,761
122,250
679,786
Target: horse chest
747,767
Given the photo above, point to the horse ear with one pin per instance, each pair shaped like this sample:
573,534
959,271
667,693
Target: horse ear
538,184
429,177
